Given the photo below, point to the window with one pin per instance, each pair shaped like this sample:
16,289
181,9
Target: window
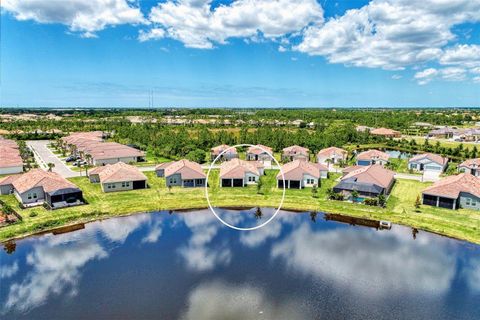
31,196
474,202
468,201
198,181
251,179
173,180
123,185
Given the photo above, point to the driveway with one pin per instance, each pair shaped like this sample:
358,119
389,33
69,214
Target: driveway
43,156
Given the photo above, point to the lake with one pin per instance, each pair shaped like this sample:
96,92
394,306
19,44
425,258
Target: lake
187,265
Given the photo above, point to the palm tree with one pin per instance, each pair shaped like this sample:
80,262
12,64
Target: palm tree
50,166
354,194
328,161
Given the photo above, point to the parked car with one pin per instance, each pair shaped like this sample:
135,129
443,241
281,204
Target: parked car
69,159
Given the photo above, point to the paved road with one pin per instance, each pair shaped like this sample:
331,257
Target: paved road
43,156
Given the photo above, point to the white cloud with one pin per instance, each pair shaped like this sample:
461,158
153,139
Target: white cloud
425,76
389,34
397,76
463,55
199,25
220,300
476,79
86,17
8,271
356,259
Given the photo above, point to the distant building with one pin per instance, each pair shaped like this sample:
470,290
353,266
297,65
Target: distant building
454,192
331,155
10,160
118,177
295,153
372,157
229,153
368,181
300,174
363,128
445,133
428,162
387,133
259,153
471,166
240,173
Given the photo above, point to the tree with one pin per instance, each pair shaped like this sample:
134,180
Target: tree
259,186
354,194
50,166
417,203
382,200
313,216
314,191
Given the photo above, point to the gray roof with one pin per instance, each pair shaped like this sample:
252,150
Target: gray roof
352,184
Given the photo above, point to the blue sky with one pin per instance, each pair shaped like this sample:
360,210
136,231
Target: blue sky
244,53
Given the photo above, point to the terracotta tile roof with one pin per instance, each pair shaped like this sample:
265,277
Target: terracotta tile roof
384,132
351,168
9,154
110,150
163,165
187,169
293,150
430,156
450,187
256,149
49,181
118,172
236,169
296,169
331,151
471,163
373,154
375,174
219,149
9,179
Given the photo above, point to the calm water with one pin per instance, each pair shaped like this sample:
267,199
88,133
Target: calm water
189,266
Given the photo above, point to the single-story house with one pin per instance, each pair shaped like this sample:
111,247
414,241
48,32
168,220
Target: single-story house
112,152
368,181
10,160
300,174
428,162
371,157
471,166
295,153
258,153
6,184
229,153
445,133
118,177
453,192
331,155
38,187
239,173
184,173
385,132
160,168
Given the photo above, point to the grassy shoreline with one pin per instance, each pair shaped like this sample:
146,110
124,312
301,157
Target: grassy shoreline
461,224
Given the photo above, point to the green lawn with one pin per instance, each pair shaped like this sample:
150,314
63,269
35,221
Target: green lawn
463,224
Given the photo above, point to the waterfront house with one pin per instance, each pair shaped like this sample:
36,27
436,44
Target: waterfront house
259,153
239,173
368,181
331,155
118,177
300,174
38,187
454,192
229,153
184,173
372,157
10,160
295,153
471,166
385,132
428,162
160,168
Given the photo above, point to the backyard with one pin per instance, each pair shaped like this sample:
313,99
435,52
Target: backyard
463,224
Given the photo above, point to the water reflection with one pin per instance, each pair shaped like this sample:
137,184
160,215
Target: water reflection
297,267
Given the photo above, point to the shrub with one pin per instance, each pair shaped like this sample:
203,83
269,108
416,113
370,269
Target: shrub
371,201
33,214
